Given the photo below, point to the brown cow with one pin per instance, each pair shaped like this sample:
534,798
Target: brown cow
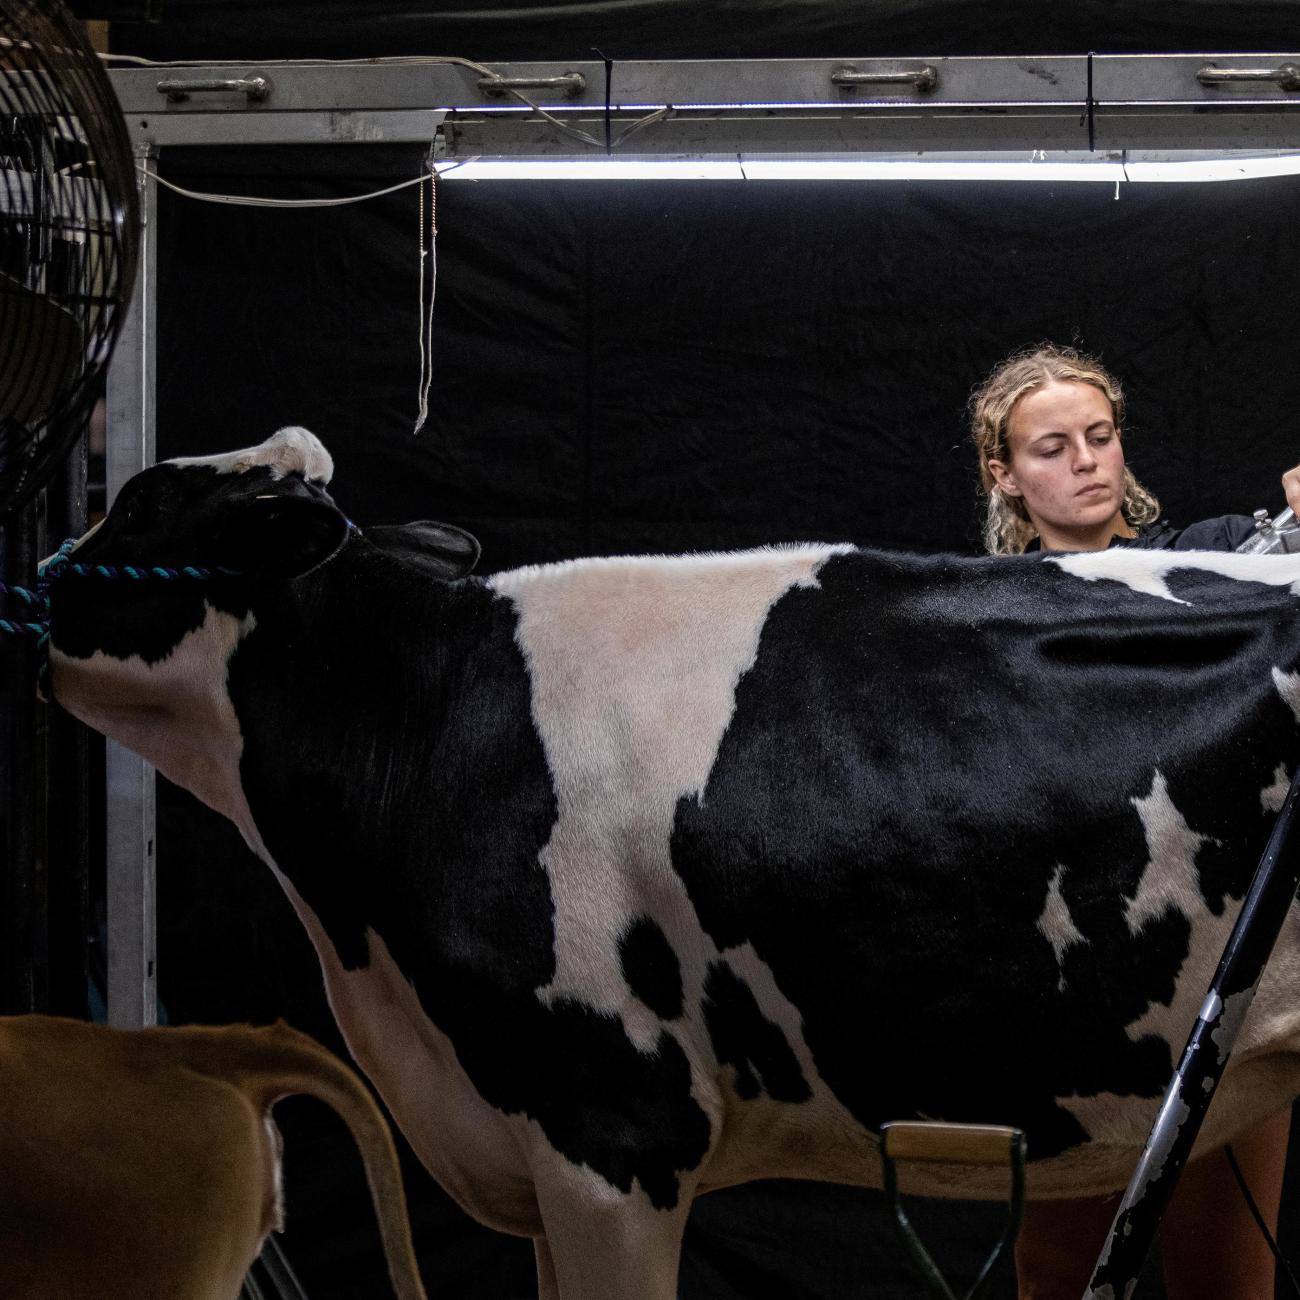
144,1163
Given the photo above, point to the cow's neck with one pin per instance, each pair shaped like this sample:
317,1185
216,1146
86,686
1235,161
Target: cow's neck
345,694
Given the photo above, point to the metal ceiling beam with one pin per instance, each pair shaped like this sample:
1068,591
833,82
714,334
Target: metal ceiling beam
1206,102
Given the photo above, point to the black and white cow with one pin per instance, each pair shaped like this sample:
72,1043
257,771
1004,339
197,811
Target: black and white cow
633,878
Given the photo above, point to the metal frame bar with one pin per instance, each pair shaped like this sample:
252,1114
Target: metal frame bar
130,830
1208,102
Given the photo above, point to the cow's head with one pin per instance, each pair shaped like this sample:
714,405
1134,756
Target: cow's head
145,661
262,511
262,514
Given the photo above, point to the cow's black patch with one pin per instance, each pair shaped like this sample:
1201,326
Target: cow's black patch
398,780
744,1038
651,968
919,745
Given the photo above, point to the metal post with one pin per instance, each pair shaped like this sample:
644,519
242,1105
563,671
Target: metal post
130,442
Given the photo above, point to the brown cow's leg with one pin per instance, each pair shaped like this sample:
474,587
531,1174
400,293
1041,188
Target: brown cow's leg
1210,1245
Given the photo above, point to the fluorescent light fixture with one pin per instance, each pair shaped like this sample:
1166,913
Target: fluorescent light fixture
596,168
1107,168
761,169
1214,169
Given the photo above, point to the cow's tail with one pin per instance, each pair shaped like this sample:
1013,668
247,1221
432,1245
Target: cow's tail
276,1061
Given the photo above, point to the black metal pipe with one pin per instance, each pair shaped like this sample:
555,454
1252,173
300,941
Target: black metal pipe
1190,1091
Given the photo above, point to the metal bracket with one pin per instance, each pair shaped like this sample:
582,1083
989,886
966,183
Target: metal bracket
1285,75
569,83
924,78
178,89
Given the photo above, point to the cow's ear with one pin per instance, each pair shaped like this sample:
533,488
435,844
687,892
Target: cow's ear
282,536
446,551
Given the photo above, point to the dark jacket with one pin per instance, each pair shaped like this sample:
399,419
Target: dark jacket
1222,533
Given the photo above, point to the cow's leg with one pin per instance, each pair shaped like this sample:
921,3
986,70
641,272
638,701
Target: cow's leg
547,1287
604,1242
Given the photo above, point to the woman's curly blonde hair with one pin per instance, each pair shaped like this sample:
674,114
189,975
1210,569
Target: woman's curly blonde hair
1007,527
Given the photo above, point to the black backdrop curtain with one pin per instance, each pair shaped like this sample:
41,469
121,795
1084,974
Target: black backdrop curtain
682,365
698,29
662,367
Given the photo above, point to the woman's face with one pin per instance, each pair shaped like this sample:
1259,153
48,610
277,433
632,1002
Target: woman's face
1066,464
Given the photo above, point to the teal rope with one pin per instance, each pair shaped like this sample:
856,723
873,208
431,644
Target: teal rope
9,628
60,566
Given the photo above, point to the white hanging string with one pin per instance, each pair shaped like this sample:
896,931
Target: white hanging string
426,318
428,252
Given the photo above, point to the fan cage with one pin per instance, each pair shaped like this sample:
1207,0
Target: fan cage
69,229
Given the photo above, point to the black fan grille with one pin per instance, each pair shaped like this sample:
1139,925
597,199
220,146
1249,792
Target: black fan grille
69,226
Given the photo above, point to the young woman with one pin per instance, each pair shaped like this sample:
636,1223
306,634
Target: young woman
1047,424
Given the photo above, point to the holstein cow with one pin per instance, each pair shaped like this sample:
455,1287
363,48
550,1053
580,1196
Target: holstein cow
143,1164
633,878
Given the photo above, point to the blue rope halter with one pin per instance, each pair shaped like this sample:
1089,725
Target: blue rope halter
60,566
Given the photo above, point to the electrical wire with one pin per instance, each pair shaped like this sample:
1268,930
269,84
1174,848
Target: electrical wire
260,201
1260,1223
427,252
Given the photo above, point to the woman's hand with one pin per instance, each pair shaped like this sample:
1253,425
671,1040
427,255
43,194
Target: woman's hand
1291,486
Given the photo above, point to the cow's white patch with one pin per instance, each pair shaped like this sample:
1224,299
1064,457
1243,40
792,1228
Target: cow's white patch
1272,797
291,450
1258,1078
275,1175
1288,687
1056,925
1170,879
1148,571
1171,882
176,713
634,664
